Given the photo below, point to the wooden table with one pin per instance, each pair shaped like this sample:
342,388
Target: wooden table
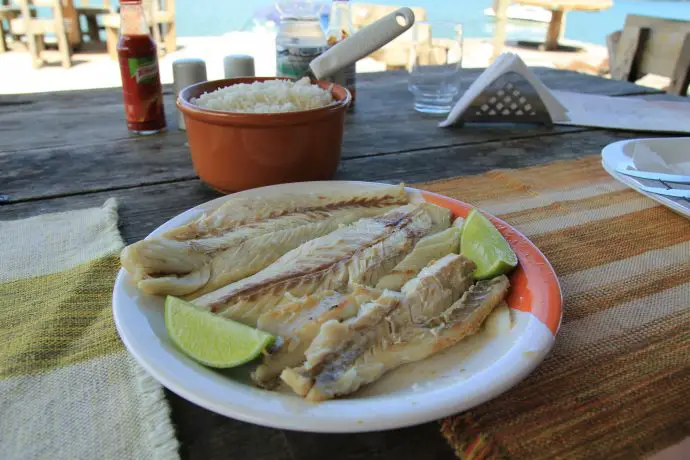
558,9
70,150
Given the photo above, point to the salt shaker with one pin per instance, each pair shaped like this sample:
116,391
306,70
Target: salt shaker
238,65
187,71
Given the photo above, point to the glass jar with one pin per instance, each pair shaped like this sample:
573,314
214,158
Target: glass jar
300,40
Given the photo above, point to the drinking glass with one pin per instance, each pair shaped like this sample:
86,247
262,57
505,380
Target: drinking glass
434,65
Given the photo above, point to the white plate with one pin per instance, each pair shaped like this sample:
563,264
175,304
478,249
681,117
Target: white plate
658,155
472,372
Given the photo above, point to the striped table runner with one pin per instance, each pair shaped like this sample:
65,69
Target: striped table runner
68,388
617,383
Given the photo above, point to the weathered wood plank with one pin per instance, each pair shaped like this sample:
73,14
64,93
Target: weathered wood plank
51,172
33,121
140,209
383,122
664,97
54,171
63,170
203,434
144,208
89,167
206,435
427,165
384,108
423,442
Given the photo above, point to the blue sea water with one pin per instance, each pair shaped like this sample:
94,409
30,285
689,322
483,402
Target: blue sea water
215,17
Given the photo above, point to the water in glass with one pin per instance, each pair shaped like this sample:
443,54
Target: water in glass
434,66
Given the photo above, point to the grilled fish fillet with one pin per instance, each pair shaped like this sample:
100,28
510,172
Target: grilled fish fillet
434,290
238,239
429,248
360,253
337,343
369,353
298,321
424,297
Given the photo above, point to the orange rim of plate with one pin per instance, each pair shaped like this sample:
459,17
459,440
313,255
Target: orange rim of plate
534,285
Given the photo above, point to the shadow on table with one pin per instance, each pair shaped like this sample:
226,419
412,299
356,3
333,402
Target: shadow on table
206,435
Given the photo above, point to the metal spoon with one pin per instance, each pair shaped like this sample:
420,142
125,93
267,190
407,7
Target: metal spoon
360,44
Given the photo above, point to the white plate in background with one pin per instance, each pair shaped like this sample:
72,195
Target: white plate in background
656,155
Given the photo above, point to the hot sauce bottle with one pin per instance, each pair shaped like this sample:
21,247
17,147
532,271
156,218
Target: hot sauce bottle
141,83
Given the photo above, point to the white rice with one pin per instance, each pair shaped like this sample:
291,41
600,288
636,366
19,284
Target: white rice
270,96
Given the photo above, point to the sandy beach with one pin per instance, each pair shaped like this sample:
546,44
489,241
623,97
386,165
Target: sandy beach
93,68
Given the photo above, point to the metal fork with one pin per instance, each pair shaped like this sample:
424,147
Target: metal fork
676,178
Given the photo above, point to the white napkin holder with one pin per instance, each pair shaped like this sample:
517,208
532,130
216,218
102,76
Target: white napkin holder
506,92
509,92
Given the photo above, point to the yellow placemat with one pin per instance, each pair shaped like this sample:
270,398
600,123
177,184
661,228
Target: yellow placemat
68,388
616,384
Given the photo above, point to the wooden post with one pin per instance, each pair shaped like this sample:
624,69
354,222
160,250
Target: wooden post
170,32
92,27
3,43
61,33
151,10
30,35
40,44
70,19
554,30
612,41
501,7
112,35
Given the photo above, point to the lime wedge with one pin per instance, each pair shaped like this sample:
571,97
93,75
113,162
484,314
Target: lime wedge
211,339
483,244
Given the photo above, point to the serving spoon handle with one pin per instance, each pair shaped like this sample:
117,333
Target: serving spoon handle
361,44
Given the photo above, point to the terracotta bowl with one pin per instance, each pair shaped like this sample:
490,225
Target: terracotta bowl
238,151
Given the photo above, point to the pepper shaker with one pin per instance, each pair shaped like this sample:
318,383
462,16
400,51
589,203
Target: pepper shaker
187,71
238,65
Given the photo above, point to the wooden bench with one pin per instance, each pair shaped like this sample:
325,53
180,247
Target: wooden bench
91,14
7,13
650,45
63,23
